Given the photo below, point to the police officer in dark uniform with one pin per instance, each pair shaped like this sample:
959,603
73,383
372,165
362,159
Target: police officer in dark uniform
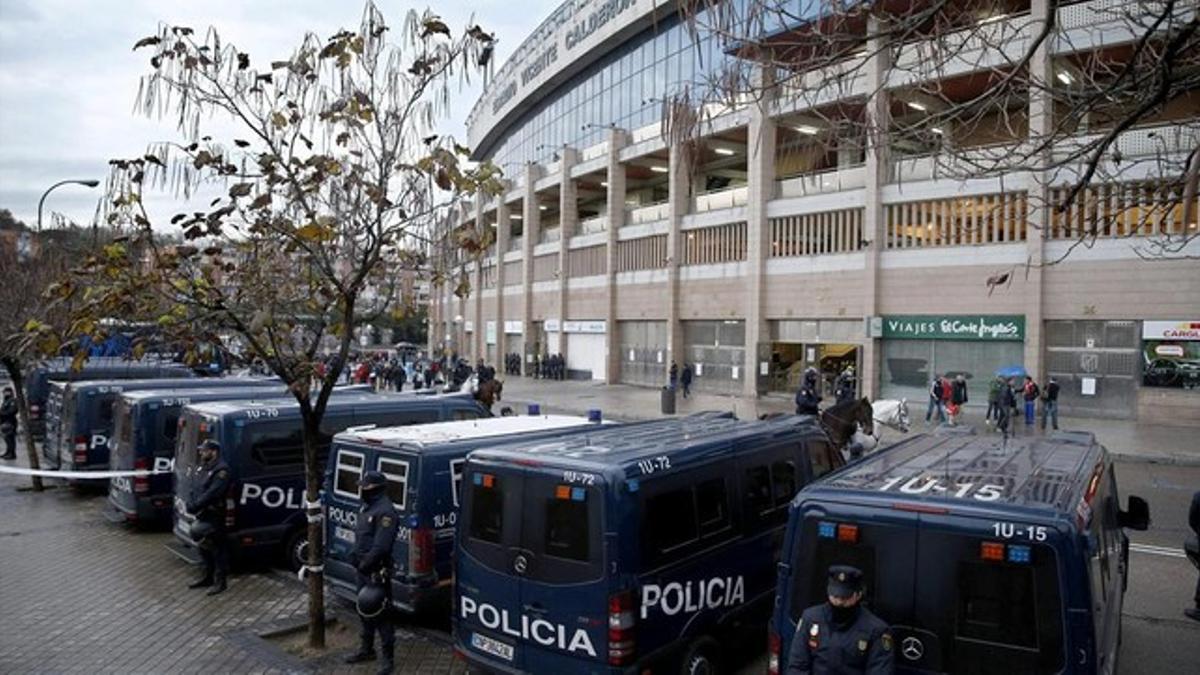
840,637
208,505
374,537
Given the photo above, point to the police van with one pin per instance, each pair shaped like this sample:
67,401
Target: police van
423,465
631,548
984,556
262,441
40,376
79,416
144,434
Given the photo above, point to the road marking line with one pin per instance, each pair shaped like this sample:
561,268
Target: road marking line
1158,550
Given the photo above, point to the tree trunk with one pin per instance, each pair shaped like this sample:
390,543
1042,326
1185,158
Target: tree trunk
316,548
18,381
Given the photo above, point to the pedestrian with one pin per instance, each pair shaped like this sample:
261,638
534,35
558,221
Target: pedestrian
673,375
418,376
431,374
958,396
840,635
1008,406
208,505
1050,404
993,409
8,423
1194,522
1030,392
935,400
399,377
374,537
844,386
686,379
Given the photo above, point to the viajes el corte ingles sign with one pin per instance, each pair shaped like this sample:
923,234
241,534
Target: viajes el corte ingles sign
989,327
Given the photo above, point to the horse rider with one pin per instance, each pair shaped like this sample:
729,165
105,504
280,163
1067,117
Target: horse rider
845,385
807,399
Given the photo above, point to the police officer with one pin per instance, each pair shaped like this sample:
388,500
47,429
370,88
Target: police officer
208,505
845,386
374,537
841,636
8,424
807,399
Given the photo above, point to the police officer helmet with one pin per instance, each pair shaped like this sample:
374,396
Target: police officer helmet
844,581
371,601
201,531
210,444
372,482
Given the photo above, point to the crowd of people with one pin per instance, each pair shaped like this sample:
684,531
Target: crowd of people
947,398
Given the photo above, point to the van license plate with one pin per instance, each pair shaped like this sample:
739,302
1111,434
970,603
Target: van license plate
494,647
346,535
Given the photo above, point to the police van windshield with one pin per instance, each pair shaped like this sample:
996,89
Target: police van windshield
559,523
994,605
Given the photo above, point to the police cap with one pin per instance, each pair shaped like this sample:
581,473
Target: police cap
372,479
210,444
844,581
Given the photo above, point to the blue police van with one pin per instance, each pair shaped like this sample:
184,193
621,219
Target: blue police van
40,376
144,433
423,465
628,549
262,441
79,416
984,556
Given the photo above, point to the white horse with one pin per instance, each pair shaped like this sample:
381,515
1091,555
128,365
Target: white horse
890,413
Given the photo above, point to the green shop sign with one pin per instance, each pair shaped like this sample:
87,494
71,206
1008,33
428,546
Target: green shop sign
996,327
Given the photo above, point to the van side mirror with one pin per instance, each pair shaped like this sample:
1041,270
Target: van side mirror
1137,516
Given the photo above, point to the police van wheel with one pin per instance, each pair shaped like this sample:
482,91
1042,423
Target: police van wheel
700,658
295,550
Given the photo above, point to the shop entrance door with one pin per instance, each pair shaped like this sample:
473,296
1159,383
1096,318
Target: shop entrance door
789,360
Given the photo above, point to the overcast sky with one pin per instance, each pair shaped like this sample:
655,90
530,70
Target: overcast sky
68,77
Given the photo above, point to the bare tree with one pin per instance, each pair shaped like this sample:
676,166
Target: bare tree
332,174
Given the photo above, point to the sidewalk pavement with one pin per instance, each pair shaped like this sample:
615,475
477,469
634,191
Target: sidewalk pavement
1127,440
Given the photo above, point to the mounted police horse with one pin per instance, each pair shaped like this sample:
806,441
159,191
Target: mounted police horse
843,421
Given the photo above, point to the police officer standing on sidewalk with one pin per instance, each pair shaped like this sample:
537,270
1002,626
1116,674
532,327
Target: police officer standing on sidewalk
8,424
374,537
209,508
841,636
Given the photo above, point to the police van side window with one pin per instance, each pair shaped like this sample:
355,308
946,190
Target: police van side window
821,457
766,491
396,472
680,517
347,473
460,414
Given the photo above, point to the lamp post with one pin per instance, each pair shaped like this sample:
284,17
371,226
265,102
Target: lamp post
42,201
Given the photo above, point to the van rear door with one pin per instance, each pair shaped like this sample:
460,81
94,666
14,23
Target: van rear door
987,597
488,584
881,542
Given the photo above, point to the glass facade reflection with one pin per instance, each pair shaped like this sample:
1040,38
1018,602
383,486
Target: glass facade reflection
624,88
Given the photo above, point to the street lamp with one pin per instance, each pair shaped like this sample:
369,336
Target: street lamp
85,183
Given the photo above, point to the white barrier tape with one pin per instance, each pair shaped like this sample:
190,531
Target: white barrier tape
317,518
312,505
77,475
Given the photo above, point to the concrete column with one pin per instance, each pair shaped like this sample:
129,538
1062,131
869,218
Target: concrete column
877,171
617,138
531,217
478,348
679,189
503,232
568,215
1041,126
760,170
